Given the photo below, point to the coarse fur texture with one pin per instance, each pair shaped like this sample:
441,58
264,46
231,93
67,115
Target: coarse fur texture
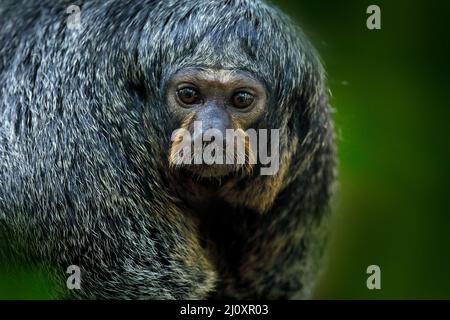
85,137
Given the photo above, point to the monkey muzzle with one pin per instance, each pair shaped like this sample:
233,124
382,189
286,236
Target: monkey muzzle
212,153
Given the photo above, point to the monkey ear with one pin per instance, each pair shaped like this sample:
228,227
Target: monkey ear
310,126
309,96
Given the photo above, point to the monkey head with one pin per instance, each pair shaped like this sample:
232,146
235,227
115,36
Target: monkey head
223,71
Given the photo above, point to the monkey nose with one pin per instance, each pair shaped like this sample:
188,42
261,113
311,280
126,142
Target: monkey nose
212,118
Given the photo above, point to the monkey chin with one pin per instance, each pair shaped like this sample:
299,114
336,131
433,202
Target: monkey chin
218,171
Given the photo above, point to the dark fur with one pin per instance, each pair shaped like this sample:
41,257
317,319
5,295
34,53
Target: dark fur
84,140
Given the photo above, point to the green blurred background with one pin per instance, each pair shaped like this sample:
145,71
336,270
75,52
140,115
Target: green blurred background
389,89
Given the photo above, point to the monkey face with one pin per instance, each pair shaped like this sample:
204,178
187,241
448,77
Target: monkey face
214,108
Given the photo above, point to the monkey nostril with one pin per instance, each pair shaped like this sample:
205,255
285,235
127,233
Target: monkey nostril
218,126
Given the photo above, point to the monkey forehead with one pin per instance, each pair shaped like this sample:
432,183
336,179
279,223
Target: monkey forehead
235,34
218,76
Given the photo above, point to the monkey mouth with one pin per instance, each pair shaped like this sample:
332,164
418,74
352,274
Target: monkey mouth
220,163
226,166
217,171
211,171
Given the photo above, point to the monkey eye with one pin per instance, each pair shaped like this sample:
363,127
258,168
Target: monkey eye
189,96
242,100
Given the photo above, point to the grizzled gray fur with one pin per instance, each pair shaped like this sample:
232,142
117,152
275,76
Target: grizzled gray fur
85,134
